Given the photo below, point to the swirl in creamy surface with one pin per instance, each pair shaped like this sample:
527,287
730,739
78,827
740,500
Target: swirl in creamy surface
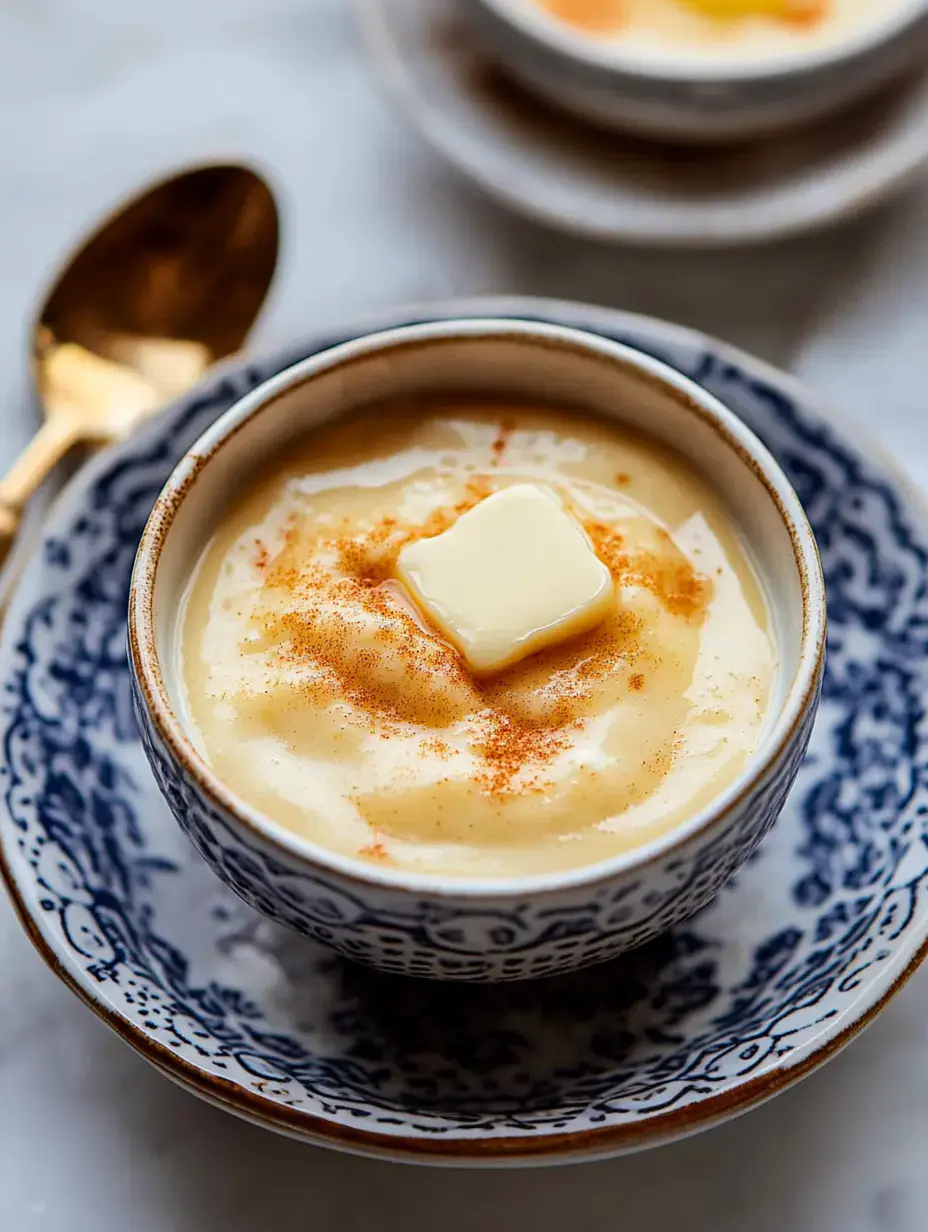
723,29
322,696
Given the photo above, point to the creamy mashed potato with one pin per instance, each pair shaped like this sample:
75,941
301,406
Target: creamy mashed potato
724,29
322,696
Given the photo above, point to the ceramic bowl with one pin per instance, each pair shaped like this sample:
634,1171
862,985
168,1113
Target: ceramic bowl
592,181
693,100
440,926
797,954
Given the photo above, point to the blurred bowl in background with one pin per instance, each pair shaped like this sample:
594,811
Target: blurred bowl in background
591,181
702,97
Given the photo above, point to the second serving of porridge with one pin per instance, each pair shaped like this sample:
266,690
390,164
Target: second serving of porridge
476,640
723,30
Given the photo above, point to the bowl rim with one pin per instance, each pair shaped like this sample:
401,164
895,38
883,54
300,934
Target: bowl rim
531,22
145,659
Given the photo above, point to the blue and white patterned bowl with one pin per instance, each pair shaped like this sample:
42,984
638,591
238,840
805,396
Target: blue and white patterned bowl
798,952
441,926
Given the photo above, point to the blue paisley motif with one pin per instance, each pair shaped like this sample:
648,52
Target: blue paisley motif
835,891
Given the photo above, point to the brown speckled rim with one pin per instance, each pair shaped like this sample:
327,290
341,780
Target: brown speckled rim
543,1149
734,435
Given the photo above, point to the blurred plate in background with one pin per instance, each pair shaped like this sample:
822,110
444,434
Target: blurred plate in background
599,184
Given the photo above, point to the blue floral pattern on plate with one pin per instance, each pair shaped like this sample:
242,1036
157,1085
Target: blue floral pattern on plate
805,940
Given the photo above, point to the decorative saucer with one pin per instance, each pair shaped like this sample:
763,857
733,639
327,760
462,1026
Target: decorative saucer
576,178
794,957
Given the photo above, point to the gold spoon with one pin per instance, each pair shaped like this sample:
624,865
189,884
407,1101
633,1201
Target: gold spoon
164,288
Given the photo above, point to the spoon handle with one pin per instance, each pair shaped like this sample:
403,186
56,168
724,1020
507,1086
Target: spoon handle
47,447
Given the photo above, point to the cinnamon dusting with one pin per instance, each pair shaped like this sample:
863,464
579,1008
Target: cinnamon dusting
353,635
374,851
509,746
675,582
501,442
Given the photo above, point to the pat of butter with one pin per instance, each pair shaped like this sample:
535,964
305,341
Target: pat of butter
513,575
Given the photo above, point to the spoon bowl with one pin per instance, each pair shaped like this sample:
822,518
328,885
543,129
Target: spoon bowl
168,285
189,262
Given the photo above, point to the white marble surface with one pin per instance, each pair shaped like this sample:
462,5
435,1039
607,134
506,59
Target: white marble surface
95,95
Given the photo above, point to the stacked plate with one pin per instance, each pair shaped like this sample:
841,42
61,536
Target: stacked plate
589,179
792,959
